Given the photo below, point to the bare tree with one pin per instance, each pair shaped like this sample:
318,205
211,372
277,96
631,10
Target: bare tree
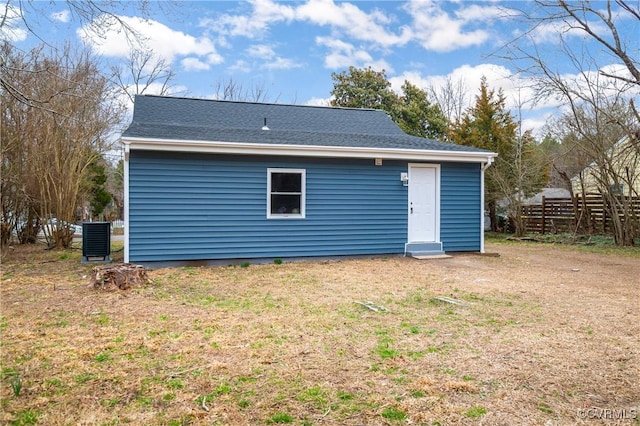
522,173
596,95
520,176
565,157
96,16
610,166
452,98
585,16
19,205
49,151
612,29
232,90
143,71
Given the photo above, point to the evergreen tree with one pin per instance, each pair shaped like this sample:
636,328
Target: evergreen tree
412,111
363,88
488,125
99,197
418,116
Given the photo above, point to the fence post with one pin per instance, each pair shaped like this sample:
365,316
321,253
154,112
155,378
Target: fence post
544,219
604,214
577,217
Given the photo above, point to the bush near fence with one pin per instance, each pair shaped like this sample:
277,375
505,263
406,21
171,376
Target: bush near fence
586,215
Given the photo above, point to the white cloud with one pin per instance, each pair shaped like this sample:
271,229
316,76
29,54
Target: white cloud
594,84
240,66
553,31
345,17
214,58
352,21
518,91
271,60
279,63
343,55
622,73
548,32
476,12
152,35
195,64
431,26
515,89
264,13
536,124
63,16
367,31
319,101
434,29
12,29
261,51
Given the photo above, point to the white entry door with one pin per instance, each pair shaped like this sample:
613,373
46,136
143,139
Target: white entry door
424,209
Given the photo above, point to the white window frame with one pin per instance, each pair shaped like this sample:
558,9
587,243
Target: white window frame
303,194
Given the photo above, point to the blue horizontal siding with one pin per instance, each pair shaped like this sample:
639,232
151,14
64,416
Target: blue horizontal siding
193,207
460,206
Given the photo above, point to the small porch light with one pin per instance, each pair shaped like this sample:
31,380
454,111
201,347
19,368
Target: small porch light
404,178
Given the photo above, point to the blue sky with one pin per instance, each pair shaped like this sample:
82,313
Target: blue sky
291,48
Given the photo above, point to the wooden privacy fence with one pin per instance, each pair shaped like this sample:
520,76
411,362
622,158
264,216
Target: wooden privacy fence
585,215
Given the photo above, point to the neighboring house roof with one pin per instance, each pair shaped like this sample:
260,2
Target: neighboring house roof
548,193
214,125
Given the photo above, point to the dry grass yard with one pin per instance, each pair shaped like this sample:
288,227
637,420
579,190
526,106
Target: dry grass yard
545,335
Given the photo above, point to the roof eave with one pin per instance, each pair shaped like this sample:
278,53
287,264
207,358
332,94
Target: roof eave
245,148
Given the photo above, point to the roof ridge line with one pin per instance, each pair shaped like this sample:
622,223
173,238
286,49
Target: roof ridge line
187,98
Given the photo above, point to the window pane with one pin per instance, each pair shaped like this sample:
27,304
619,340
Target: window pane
285,204
286,182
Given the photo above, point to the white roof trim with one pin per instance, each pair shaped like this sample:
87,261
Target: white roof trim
217,147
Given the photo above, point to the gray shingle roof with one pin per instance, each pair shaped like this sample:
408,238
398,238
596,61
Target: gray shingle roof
160,117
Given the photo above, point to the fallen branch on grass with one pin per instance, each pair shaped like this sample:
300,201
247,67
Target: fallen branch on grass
372,306
204,403
449,300
536,240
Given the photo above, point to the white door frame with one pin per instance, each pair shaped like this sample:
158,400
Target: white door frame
413,166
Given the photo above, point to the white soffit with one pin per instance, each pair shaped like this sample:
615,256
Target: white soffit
244,148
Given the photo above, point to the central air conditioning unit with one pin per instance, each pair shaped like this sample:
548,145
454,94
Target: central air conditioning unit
96,242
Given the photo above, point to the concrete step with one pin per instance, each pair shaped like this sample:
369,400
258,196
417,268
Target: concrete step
423,249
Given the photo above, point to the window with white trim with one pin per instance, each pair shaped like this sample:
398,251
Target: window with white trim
286,193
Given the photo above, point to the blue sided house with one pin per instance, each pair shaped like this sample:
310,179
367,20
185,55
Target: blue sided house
209,180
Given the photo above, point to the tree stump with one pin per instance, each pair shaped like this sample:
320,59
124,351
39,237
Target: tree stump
119,277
